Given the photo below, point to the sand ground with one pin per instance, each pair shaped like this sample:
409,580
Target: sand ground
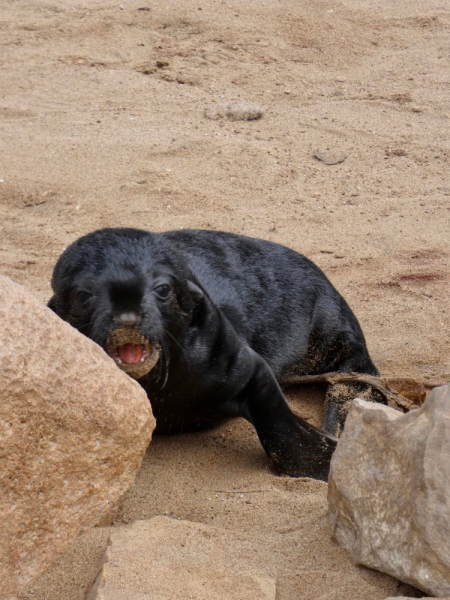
102,124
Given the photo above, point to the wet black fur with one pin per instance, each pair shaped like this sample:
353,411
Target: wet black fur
241,314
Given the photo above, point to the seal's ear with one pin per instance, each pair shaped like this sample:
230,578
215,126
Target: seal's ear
195,292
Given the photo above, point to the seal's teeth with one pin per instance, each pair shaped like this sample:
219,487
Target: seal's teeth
120,361
143,359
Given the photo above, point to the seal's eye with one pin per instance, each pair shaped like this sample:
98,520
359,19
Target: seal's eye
163,291
83,298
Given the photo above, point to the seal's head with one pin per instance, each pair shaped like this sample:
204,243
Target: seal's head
128,290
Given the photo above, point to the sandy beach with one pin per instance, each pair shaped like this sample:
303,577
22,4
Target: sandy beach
103,124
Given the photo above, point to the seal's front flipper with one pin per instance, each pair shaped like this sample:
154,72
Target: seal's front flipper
338,400
296,447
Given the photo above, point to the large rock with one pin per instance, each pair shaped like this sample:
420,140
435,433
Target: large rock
389,491
164,559
73,432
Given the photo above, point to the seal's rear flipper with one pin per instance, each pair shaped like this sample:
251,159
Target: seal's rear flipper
297,448
338,401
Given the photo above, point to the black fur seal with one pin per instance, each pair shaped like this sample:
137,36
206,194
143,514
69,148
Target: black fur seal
207,322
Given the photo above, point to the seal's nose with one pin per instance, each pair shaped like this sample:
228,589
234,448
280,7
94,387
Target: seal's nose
128,319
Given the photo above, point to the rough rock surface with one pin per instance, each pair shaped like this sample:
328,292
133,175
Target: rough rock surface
163,559
73,431
389,491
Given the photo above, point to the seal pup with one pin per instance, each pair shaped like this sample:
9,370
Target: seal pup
207,322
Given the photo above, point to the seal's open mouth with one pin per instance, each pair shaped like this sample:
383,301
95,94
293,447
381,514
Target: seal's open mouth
132,352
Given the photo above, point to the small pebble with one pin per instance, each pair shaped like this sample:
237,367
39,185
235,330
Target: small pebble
235,111
330,157
185,79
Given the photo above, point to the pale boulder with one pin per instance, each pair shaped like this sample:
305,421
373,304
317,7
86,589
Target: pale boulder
164,559
73,432
389,491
